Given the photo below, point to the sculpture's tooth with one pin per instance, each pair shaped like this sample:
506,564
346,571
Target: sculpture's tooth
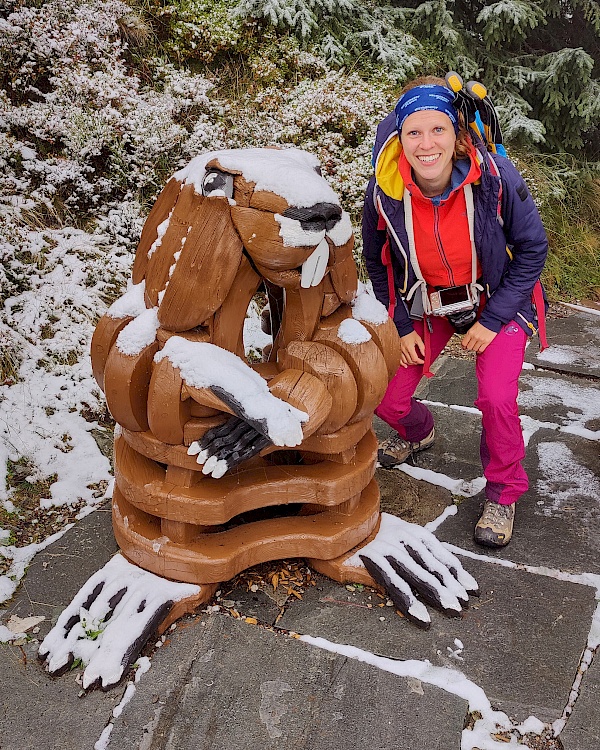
314,267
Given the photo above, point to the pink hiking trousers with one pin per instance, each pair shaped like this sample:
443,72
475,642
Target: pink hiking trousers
498,368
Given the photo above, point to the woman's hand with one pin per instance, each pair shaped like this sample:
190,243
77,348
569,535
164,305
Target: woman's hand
477,338
412,349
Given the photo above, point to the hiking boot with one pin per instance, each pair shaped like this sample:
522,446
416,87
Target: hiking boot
395,450
495,527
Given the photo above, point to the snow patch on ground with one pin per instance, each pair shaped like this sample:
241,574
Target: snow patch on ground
582,402
566,482
21,557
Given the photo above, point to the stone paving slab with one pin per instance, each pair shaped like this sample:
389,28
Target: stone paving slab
522,638
224,684
558,520
582,731
572,338
570,402
58,572
40,713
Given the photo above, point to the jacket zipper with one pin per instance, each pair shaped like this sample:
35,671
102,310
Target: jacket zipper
440,246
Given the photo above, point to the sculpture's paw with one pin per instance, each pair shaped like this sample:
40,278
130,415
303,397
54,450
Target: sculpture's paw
410,563
227,445
109,621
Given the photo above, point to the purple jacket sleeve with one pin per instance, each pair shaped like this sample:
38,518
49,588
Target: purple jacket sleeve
527,240
373,242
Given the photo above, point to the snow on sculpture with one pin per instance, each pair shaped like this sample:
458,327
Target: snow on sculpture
205,436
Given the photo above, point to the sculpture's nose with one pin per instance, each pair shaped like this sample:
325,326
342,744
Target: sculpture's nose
315,218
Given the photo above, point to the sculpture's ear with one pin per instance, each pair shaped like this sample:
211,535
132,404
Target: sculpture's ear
188,255
159,213
200,255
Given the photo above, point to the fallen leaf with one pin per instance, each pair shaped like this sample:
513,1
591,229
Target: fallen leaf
23,624
251,620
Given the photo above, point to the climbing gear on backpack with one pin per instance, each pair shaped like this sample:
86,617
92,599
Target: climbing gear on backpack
475,105
495,527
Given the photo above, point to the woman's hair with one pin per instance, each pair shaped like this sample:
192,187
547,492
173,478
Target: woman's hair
464,144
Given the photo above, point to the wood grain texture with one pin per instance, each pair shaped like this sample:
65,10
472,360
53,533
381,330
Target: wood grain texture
160,211
368,367
222,555
242,190
103,340
167,411
332,370
339,441
198,335
227,324
205,270
305,392
387,339
339,570
144,483
343,271
184,214
126,383
188,605
301,316
267,201
176,455
259,232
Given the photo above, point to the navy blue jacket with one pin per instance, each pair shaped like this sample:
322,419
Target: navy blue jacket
511,250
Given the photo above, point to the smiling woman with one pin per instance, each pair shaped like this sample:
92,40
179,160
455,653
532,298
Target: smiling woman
428,141
453,243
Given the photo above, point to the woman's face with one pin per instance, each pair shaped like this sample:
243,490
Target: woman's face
428,140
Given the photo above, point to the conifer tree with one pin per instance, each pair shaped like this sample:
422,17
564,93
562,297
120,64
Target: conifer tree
540,59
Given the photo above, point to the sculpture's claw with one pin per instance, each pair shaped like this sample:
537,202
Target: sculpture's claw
408,561
109,621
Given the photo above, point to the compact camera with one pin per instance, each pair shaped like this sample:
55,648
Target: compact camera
453,299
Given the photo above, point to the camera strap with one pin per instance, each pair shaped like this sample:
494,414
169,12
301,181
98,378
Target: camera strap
421,284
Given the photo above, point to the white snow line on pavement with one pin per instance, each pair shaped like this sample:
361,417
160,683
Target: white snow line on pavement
104,738
581,308
450,680
584,579
451,510
456,486
585,662
456,407
593,639
21,558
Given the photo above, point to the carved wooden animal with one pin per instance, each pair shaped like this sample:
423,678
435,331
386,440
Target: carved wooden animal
228,226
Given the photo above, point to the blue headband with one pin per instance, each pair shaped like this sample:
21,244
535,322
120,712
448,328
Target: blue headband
428,96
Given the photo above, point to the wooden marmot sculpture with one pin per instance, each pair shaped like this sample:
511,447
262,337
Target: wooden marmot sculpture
205,438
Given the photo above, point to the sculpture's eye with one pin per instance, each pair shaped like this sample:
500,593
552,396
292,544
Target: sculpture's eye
216,183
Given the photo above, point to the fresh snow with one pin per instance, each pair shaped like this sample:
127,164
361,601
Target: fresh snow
21,557
450,680
139,332
102,645
290,173
353,332
203,365
131,304
293,235
368,308
391,540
